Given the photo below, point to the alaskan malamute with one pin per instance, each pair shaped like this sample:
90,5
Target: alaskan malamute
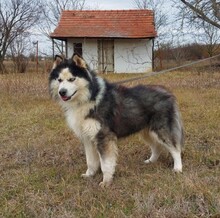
100,112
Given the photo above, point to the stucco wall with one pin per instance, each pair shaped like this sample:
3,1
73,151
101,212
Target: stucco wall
130,55
90,51
133,55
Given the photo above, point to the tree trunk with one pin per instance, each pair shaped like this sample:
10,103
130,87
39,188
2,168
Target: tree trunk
2,67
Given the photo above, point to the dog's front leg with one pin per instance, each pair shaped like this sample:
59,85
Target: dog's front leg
90,128
108,158
92,158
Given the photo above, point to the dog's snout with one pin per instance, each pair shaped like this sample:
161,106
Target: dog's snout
63,92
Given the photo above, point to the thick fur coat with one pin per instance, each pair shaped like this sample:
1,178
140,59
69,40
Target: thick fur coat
100,112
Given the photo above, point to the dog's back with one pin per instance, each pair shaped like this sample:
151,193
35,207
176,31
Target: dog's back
129,110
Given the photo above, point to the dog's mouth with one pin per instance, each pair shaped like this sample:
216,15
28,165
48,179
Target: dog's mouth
67,98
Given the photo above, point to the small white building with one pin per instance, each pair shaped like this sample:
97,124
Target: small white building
119,41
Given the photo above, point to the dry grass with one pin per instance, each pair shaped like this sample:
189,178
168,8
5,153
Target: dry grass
41,161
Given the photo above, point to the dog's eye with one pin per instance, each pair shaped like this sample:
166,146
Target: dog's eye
71,79
60,80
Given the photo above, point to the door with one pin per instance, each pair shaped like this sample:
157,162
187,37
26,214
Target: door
106,55
77,48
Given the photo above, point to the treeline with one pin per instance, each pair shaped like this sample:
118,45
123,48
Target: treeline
193,51
168,56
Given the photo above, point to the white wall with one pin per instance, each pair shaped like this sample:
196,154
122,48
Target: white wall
90,50
130,55
70,45
133,55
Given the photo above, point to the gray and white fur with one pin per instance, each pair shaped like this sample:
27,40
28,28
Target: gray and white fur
100,112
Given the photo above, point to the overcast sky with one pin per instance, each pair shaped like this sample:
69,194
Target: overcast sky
111,4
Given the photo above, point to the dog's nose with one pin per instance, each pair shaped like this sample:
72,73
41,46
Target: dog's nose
62,92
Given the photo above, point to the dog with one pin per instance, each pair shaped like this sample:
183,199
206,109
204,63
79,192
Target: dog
100,112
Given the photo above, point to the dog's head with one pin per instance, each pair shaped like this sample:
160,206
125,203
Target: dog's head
70,79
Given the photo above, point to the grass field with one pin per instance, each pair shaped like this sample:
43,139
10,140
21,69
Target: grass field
41,160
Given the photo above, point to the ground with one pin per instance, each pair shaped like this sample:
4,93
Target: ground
41,160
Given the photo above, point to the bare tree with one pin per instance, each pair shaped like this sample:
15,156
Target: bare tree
18,48
16,18
211,37
160,20
206,10
160,16
203,18
52,12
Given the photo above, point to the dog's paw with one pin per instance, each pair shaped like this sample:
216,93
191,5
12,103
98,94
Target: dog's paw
148,161
177,170
89,173
86,176
105,184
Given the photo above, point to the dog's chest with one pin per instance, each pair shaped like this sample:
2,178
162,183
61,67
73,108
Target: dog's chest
81,125
75,120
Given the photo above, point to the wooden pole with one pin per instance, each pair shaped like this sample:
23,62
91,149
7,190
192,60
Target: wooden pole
62,47
37,56
53,47
153,57
66,48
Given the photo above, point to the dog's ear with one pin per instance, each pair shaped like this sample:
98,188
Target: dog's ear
57,60
79,61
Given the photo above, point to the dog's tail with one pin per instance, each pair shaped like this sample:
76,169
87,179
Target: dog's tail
178,130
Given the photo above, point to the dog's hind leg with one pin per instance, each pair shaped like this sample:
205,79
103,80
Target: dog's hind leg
155,153
161,138
92,159
154,146
165,140
176,154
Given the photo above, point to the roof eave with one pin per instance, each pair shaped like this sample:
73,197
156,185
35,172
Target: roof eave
64,38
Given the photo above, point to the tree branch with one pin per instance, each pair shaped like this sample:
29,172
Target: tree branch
200,11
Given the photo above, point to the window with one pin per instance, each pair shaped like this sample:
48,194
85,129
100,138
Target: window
77,48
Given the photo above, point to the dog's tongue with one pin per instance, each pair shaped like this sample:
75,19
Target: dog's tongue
65,98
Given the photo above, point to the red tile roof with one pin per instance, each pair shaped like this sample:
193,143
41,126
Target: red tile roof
111,23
